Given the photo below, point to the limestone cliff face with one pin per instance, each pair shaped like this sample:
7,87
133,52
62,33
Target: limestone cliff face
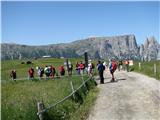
141,50
107,47
151,49
120,47
124,46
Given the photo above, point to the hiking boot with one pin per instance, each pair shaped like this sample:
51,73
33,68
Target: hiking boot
113,80
101,82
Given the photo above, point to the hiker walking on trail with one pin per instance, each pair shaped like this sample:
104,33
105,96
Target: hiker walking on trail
112,68
62,70
77,68
127,65
70,68
47,71
81,67
90,68
31,73
120,65
101,69
40,72
13,75
53,71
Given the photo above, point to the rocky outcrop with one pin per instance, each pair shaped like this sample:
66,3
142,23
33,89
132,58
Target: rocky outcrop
151,49
120,47
141,50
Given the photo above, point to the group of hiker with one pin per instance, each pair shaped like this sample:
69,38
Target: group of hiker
81,68
123,65
50,71
112,66
101,66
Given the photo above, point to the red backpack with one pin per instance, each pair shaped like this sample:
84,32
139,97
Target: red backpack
114,66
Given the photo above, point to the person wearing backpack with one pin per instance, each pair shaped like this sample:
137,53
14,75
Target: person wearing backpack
101,69
70,68
47,71
112,68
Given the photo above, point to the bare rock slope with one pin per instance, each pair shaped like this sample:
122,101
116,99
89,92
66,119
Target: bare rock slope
123,46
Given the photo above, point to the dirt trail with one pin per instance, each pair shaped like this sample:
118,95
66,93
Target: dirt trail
132,97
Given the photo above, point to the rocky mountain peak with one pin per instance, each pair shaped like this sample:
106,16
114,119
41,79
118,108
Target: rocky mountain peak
146,43
152,41
151,49
120,47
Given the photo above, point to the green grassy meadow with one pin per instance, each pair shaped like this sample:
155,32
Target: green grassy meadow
19,98
22,69
147,68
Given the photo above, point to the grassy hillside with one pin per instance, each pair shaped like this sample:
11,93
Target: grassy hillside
147,68
19,99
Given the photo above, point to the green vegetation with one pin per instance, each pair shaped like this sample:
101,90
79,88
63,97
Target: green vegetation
19,99
22,69
83,112
147,68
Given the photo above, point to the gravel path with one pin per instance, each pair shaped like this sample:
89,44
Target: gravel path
132,97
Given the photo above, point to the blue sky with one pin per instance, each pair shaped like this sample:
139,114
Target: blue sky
41,23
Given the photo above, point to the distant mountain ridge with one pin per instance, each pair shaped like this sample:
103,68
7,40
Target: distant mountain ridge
120,47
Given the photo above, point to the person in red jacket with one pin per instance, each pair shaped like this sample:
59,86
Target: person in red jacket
62,70
31,73
81,67
112,68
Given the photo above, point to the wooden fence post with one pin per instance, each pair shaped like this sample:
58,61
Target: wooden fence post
139,66
72,89
84,83
40,107
155,69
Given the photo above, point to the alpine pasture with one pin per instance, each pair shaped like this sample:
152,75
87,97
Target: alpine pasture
20,97
151,68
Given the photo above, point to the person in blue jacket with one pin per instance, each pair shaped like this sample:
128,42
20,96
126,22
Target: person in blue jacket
101,69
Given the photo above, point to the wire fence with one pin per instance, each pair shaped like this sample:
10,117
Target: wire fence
42,78
151,69
40,105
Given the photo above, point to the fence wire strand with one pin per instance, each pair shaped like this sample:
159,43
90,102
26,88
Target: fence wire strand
64,99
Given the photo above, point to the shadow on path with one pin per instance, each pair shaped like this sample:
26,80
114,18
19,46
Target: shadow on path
120,79
115,80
